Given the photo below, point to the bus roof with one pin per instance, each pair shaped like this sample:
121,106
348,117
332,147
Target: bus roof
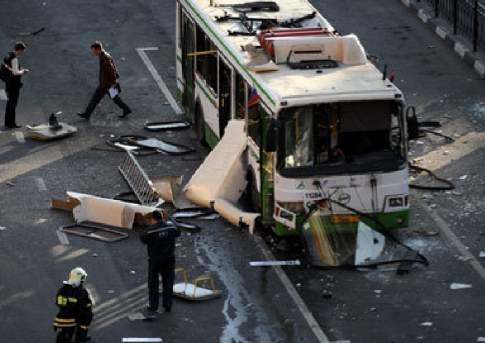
286,86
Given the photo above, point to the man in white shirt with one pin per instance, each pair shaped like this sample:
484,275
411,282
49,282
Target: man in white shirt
13,84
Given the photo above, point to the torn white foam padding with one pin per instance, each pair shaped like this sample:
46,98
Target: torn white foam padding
222,174
235,215
106,211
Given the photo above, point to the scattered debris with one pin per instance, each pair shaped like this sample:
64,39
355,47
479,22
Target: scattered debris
427,324
33,33
136,316
104,234
3,228
333,241
132,272
138,180
463,177
455,286
51,131
108,212
110,291
11,184
274,263
167,125
377,291
482,254
327,294
94,255
166,147
193,291
196,213
481,339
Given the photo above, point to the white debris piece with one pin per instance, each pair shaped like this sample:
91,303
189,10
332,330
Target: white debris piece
482,254
3,228
481,339
455,286
427,324
377,291
274,263
463,177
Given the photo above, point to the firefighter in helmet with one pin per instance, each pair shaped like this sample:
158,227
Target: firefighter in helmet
75,309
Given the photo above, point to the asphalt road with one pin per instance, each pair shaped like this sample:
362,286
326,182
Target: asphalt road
254,306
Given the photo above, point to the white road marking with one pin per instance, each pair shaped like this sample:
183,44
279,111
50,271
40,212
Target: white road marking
40,184
140,340
158,79
310,319
62,237
3,95
20,136
449,234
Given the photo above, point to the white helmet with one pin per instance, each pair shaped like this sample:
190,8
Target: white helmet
77,276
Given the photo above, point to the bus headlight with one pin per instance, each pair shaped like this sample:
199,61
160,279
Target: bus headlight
396,202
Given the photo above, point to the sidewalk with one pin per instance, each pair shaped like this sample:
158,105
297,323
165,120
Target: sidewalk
460,44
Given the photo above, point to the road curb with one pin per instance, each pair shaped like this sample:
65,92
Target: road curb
463,51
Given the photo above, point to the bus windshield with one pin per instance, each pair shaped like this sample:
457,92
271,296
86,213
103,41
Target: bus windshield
345,137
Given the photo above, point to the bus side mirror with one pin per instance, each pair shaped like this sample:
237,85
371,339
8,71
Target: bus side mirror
272,136
412,123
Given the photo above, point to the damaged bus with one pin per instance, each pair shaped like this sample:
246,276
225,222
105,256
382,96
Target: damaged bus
324,126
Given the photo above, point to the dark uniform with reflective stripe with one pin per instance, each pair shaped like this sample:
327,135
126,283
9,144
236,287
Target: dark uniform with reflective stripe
160,241
75,311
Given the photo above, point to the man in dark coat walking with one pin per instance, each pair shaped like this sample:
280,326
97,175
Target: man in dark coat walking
160,240
13,83
108,83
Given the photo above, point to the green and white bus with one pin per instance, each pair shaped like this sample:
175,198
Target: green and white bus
322,121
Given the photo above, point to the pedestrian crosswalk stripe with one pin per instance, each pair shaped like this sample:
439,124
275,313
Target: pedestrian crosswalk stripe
3,95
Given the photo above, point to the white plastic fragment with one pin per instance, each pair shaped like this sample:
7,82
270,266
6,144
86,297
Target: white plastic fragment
3,228
274,263
427,324
481,339
463,177
455,286
482,254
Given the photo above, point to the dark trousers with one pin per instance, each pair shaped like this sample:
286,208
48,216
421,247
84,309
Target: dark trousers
13,92
165,268
65,335
98,95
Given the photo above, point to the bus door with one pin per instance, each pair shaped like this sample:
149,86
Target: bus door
225,95
188,47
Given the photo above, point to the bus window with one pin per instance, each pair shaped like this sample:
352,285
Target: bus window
299,139
240,97
206,64
254,117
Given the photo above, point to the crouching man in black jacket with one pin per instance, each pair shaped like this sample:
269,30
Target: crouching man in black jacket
160,240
